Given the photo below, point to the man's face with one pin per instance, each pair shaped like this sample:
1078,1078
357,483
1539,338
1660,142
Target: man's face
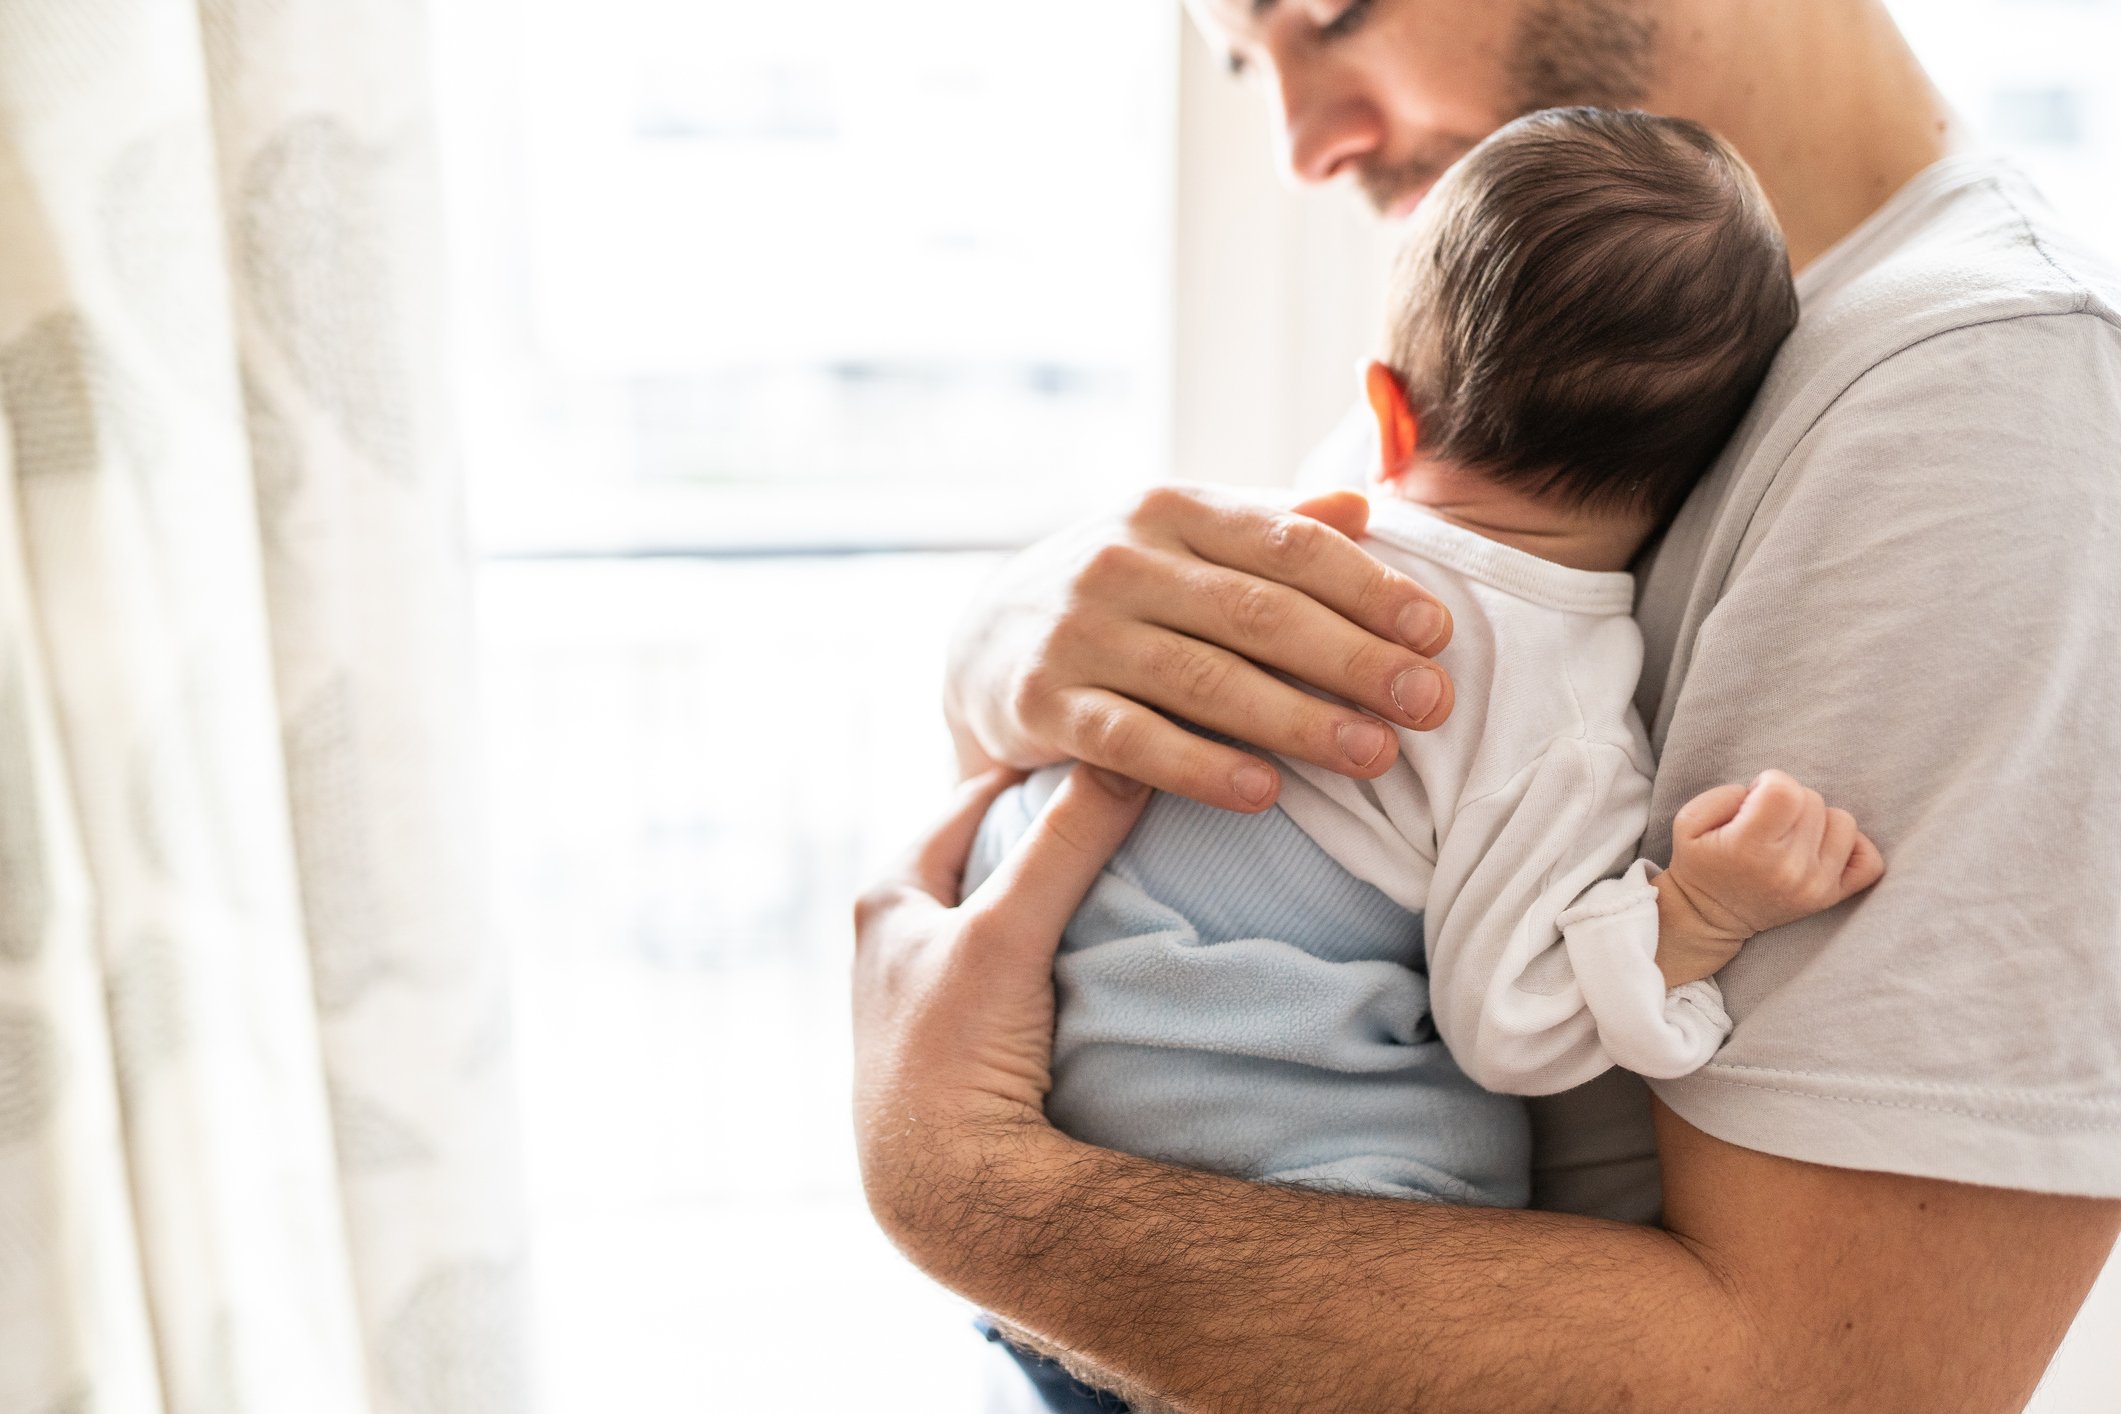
1385,94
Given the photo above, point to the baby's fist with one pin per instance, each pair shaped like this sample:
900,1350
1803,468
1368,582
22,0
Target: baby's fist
1756,857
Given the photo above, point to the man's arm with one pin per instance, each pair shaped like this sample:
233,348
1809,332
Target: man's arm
1775,1285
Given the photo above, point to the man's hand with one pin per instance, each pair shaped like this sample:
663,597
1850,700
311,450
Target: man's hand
953,1001
1180,607
1747,858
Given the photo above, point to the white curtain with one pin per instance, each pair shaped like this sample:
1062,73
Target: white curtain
257,1145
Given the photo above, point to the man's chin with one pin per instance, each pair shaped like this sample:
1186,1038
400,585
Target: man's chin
1397,188
1399,209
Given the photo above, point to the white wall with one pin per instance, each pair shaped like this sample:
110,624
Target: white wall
1278,294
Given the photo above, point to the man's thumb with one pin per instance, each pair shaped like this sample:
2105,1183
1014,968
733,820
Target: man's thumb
1042,882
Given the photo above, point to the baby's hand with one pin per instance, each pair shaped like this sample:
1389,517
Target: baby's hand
1749,858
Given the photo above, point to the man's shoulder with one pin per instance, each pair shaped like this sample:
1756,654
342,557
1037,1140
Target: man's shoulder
1973,262
1992,247
1978,330
1964,374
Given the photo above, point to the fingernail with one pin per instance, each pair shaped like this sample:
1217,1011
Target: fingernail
1125,787
1417,691
1363,742
1420,624
1254,782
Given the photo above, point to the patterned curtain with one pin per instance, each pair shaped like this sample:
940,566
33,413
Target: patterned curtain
257,1148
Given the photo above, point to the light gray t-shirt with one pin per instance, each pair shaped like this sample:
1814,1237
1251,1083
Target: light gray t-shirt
1902,584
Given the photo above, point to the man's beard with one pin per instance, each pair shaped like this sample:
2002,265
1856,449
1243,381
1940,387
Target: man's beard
1600,53
1387,185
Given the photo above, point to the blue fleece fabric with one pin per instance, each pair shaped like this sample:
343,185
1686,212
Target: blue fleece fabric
1232,999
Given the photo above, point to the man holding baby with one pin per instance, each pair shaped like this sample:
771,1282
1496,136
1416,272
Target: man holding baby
1901,582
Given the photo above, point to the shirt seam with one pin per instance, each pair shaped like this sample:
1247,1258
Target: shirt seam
1714,1073
1992,1092
1914,201
1569,666
1534,585
1633,903
1546,749
2032,238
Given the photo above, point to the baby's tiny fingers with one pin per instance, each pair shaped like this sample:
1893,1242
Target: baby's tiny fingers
1837,840
1710,810
1772,807
1866,866
1810,827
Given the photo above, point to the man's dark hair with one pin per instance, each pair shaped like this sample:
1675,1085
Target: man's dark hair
1587,306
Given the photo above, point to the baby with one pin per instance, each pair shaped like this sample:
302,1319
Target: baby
1346,990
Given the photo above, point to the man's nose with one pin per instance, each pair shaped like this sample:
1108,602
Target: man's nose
1325,124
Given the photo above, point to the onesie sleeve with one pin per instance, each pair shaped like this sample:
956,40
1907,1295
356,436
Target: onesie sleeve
1542,967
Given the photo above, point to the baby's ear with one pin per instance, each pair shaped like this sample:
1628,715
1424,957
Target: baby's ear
1397,432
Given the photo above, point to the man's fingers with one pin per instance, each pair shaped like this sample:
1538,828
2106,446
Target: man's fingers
1119,734
1710,810
1045,877
1286,629
1216,689
937,866
1309,555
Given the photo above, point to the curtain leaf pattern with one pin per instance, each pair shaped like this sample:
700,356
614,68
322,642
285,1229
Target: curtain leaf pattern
257,1146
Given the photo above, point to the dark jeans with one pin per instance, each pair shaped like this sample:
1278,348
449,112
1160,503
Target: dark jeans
1062,1392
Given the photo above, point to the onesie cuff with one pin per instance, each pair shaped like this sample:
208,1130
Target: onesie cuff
1655,1031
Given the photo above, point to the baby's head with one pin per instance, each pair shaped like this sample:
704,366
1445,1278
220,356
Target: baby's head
1586,305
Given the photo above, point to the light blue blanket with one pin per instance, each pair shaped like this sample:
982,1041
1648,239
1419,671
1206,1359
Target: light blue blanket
1232,999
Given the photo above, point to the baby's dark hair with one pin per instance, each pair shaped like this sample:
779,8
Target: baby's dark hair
1587,306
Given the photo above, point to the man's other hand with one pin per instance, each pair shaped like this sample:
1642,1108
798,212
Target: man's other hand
953,1001
1088,639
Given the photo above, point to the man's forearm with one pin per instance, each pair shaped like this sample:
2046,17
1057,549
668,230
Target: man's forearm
1224,1295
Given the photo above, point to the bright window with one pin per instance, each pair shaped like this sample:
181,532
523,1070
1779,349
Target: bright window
823,274
744,289
2036,78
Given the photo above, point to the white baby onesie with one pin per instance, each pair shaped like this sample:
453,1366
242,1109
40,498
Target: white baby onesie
1513,827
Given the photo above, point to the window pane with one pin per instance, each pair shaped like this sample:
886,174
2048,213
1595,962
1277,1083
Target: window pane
2036,79
840,250
694,765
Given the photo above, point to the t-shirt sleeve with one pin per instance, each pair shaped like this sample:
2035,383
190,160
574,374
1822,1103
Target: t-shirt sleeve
1924,623
1542,970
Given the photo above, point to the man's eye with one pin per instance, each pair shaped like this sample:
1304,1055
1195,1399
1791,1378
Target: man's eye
1346,21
